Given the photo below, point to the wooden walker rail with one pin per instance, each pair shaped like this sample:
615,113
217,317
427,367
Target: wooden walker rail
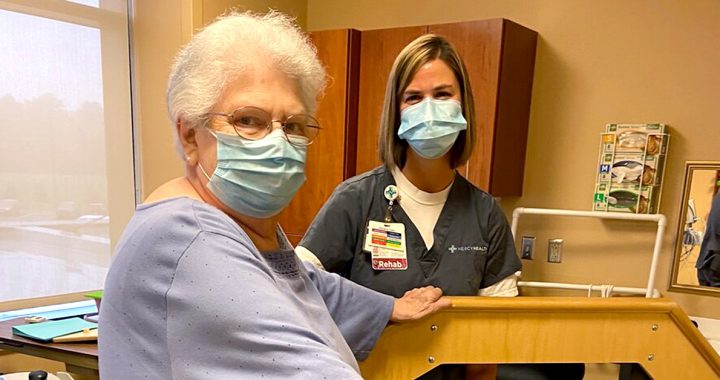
653,332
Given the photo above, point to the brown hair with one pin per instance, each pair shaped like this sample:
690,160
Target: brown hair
422,50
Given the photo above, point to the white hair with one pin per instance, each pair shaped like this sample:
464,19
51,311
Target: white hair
236,44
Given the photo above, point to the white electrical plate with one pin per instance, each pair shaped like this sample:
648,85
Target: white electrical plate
555,250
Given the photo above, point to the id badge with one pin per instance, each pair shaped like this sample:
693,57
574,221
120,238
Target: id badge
386,244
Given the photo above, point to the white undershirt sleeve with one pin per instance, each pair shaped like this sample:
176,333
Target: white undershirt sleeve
506,287
305,255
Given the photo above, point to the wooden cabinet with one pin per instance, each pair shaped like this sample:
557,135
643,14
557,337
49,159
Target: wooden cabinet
331,157
500,58
378,50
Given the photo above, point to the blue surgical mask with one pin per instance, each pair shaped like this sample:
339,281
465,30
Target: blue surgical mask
257,178
432,126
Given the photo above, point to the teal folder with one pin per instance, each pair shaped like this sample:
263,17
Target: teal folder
46,331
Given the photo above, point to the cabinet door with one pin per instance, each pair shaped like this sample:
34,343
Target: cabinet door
479,44
377,55
500,58
331,157
512,115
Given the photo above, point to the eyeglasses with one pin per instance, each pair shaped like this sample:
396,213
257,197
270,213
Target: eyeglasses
254,123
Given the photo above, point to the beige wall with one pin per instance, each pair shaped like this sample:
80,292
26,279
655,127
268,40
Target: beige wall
295,8
157,35
597,62
160,28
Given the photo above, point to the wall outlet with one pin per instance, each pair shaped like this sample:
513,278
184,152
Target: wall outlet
555,250
527,250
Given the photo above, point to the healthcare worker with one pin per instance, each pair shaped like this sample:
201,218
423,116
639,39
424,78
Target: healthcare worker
415,220
708,263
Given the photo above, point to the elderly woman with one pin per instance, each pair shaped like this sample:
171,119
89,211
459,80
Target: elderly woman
205,284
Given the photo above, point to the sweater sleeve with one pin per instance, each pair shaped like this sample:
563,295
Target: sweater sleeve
360,313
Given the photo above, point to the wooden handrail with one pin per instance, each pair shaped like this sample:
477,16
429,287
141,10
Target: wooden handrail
653,332
555,304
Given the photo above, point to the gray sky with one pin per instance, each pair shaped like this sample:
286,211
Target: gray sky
40,56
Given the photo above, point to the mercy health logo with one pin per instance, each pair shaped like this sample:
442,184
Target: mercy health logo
467,249
389,264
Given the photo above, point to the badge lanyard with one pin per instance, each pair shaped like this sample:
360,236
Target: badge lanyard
391,194
386,240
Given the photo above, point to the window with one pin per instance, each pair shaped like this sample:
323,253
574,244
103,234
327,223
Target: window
66,174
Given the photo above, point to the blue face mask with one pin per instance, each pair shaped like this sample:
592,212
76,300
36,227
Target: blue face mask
257,178
432,126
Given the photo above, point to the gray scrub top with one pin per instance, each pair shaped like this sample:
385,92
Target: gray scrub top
473,246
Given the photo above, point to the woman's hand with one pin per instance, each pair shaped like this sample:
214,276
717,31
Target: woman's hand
418,303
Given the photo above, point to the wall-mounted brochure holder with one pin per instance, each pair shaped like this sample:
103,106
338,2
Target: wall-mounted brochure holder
631,168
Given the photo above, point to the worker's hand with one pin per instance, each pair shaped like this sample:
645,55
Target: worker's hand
418,303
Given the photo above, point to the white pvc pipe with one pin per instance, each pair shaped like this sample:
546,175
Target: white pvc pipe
592,287
656,255
658,218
